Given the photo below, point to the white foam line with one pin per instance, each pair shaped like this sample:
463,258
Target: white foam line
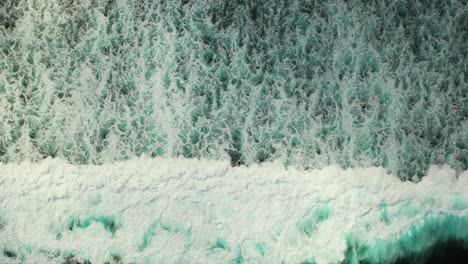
184,206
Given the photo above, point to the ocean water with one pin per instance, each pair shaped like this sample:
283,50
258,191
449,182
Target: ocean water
292,131
173,210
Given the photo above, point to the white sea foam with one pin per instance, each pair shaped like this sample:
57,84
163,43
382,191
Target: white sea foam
176,210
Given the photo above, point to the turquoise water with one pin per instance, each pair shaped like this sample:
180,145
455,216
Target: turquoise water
306,83
310,83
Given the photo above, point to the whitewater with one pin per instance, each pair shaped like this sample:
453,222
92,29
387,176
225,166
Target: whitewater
233,131
189,211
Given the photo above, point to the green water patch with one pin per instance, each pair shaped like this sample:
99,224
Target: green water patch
312,219
415,242
220,244
162,226
111,223
239,258
385,215
260,247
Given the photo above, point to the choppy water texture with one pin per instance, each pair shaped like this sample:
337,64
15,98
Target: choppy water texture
300,119
310,83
